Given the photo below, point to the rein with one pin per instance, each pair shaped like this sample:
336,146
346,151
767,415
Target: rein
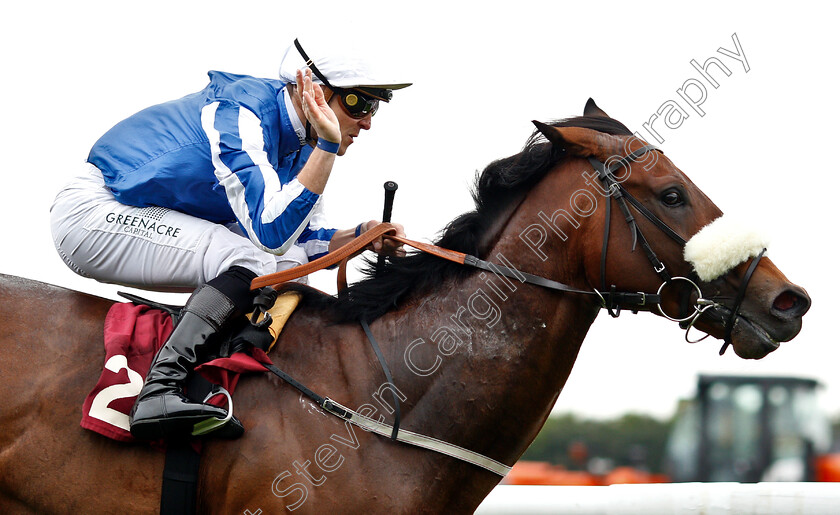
610,299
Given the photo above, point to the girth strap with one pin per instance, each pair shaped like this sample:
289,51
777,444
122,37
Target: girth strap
180,479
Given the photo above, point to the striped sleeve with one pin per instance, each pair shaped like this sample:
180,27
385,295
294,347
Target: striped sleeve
273,215
315,238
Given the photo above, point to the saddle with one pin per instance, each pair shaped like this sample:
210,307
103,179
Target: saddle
133,333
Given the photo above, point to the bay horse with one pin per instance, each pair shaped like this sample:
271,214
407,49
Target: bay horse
478,358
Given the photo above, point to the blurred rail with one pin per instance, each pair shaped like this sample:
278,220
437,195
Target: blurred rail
673,498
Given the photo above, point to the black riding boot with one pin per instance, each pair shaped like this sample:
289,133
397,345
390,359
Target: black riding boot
161,409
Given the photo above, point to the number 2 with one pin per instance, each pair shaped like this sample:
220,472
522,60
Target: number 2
99,407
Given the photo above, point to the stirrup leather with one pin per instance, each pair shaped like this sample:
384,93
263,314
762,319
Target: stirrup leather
279,313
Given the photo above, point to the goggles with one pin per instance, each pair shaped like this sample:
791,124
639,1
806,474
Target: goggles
356,104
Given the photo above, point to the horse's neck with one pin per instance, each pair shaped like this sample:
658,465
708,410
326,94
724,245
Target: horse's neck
495,389
491,355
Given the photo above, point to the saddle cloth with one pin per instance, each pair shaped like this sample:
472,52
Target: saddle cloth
133,335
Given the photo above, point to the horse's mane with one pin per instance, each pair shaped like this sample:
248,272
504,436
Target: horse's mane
502,183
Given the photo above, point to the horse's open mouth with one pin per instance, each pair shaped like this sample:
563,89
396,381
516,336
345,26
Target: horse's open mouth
762,335
745,333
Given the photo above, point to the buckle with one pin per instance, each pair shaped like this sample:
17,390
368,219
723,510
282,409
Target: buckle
644,298
335,408
263,301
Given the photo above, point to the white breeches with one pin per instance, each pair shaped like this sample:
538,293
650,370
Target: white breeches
153,247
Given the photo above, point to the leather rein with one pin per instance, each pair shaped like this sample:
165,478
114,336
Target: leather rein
609,299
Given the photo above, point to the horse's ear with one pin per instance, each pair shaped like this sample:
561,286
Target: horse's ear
550,133
582,142
591,109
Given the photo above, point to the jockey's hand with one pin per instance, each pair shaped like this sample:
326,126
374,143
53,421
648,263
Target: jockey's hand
384,245
316,109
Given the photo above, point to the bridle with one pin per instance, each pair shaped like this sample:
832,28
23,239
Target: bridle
617,191
611,300
621,196
702,305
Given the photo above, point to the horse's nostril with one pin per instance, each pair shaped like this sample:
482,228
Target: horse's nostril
785,301
791,303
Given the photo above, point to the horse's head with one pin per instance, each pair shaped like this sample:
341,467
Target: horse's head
724,261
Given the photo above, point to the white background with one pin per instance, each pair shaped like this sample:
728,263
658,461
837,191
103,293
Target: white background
70,70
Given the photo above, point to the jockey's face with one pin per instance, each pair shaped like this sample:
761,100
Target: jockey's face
350,127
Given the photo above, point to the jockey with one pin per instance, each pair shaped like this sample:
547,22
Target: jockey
209,191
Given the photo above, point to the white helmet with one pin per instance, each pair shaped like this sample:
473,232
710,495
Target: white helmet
339,73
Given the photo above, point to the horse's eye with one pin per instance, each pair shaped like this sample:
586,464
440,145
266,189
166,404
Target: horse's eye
672,198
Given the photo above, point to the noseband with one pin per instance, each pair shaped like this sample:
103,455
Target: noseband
622,196
742,290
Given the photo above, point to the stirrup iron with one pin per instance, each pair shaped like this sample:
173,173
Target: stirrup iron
211,424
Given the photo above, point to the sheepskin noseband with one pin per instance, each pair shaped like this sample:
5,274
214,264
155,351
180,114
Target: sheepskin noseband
722,245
